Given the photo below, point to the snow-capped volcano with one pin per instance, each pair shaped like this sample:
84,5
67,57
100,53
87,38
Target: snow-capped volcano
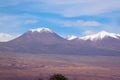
39,35
103,39
44,40
41,30
101,35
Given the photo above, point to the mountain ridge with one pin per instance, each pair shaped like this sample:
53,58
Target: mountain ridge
48,42
99,35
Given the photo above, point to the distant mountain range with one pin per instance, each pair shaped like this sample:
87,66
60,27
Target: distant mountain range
102,39
45,41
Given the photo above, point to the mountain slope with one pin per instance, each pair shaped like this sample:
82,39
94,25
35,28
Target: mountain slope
45,41
101,35
34,41
40,35
102,39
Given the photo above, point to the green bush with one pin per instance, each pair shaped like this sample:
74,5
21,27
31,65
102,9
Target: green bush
40,79
58,77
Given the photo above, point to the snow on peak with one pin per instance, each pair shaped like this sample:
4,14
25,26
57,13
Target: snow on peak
42,30
100,36
71,37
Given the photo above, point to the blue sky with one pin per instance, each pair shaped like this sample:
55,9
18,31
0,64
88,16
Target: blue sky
65,17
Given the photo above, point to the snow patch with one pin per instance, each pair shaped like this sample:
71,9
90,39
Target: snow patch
100,36
41,30
71,37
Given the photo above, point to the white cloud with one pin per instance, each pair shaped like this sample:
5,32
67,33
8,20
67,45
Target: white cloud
72,8
67,8
81,23
30,21
95,7
90,7
4,37
88,32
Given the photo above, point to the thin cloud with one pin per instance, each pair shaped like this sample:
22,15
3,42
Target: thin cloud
30,21
8,23
67,8
95,7
101,12
88,32
81,23
15,22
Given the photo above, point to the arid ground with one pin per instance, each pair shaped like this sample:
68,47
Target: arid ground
18,66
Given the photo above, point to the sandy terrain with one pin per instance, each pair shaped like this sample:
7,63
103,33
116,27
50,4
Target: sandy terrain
14,66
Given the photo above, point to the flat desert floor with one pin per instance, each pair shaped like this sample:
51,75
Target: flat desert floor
18,66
